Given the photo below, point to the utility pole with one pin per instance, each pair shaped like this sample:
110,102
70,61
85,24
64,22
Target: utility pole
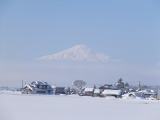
22,82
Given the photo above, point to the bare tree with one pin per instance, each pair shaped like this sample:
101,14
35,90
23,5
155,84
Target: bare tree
79,83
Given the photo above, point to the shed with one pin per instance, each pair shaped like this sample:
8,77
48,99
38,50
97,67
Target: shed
58,90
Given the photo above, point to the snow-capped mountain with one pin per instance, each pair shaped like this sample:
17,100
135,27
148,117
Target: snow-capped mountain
79,53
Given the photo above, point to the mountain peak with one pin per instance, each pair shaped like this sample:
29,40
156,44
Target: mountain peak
78,53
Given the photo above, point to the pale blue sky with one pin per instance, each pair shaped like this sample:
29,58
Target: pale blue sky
126,30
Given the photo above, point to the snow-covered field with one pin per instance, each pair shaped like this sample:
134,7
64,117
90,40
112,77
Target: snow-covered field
16,106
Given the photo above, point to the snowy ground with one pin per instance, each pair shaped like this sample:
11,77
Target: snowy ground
15,106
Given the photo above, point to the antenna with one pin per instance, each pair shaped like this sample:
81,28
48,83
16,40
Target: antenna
25,82
139,83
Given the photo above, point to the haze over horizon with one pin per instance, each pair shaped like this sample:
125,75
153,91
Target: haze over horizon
117,39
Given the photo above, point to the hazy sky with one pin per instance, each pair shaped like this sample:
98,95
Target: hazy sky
126,30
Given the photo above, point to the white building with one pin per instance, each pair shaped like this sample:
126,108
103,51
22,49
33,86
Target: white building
38,87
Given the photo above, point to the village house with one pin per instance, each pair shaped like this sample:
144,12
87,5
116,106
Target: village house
86,92
109,90
37,87
90,92
58,90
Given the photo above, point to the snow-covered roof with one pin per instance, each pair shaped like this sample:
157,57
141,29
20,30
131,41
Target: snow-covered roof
154,91
112,92
147,91
29,86
96,90
88,89
41,83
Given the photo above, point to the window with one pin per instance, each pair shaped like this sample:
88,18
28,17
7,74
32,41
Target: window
49,91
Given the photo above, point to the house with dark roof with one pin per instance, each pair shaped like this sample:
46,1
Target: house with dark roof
90,92
110,90
86,92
